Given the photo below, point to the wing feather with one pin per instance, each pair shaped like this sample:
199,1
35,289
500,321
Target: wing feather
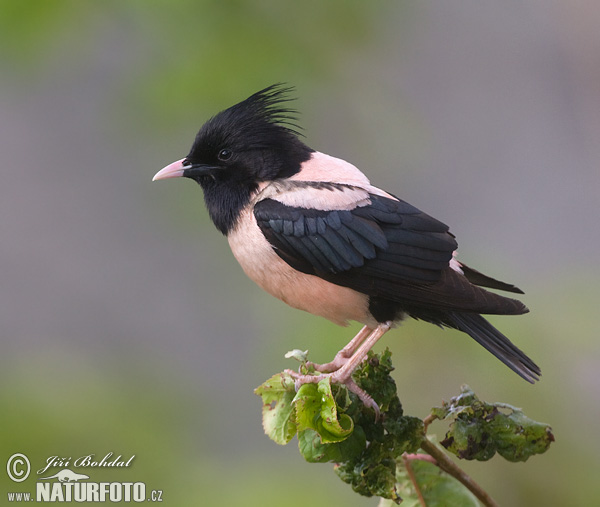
381,247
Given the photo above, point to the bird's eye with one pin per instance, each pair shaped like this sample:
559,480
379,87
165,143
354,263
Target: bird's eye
225,154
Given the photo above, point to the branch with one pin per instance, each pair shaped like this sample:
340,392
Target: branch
448,466
406,459
333,424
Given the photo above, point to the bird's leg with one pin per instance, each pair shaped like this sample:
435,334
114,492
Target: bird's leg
342,356
343,373
363,396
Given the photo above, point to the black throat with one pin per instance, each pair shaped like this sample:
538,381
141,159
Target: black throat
225,201
227,193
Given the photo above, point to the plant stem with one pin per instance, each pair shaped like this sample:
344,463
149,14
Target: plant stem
448,466
406,458
427,421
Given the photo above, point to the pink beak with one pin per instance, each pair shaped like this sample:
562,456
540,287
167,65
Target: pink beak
173,170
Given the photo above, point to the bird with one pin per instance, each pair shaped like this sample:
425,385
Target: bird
311,230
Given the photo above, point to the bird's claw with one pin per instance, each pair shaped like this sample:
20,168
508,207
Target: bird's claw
367,400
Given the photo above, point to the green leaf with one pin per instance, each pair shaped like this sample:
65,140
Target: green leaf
298,355
437,487
406,433
373,375
315,451
316,409
333,425
519,437
373,473
278,412
478,429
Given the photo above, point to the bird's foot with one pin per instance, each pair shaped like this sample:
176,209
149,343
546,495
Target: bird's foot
339,371
344,355
336,377
340,359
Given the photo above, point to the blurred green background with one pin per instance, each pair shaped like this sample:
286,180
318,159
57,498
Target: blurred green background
128,327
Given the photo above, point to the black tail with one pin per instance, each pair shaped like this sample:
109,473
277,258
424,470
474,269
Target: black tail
493,340
478,278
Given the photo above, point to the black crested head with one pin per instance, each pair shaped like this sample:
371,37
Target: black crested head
259,135
253,141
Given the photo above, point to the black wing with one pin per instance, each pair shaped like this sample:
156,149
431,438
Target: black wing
387,248
394,236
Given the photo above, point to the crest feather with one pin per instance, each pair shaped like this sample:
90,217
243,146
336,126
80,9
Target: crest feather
270,104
